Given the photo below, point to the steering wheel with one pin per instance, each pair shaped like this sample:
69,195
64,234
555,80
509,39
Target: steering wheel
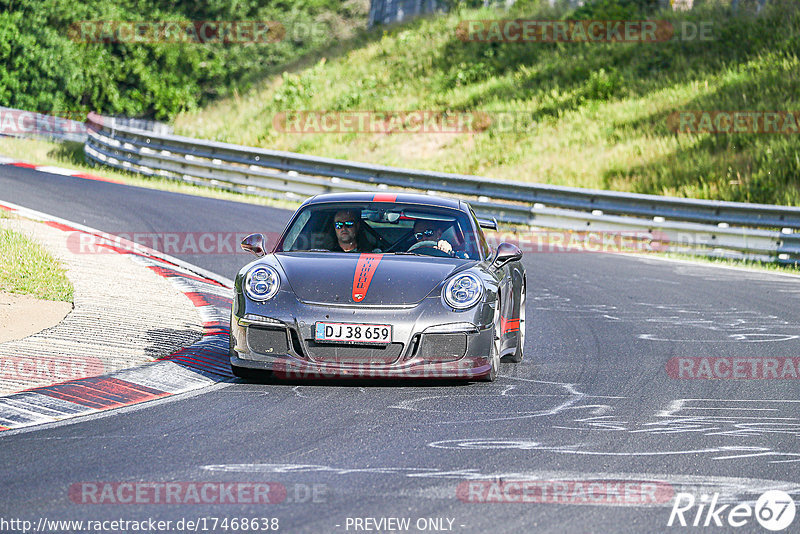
430,249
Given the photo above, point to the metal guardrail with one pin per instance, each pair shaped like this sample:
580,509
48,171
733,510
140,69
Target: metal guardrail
392,11
28,124
696,226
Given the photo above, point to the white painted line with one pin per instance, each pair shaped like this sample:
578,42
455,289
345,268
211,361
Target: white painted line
14,417
40,216
43,404
165,376
57,170
93,415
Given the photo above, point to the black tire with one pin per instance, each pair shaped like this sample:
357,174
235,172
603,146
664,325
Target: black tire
517,356
494,357
246,373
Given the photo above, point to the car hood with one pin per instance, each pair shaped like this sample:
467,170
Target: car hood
368,279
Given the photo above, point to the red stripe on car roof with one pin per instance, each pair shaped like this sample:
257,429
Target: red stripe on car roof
384,197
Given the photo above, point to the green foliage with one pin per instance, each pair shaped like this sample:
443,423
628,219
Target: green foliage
588,114
294,92
614,9
43,67
602,84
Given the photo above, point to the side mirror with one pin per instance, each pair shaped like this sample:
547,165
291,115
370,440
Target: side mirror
489,224
506,252
254,243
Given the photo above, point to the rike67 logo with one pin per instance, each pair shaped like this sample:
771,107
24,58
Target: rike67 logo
774,510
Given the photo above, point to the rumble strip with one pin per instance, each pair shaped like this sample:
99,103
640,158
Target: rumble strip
199,365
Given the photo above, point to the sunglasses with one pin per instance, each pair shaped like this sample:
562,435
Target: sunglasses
339,224
424,233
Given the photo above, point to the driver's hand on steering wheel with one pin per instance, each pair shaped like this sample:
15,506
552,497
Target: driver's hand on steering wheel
445,246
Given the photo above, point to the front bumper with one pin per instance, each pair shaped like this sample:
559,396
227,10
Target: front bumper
267,336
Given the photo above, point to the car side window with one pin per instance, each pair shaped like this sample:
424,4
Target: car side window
291,242
482,244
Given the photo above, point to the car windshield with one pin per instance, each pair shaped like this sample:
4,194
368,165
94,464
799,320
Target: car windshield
376,227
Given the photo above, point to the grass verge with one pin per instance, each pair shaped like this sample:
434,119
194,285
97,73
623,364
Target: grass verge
27,268
752,265
585,114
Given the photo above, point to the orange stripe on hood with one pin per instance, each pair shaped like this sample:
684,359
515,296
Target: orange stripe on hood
365,268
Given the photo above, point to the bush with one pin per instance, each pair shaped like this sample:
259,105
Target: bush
43,69
615,9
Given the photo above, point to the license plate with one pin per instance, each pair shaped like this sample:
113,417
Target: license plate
353,333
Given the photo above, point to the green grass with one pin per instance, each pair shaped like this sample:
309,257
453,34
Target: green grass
593,115
753,265
27,268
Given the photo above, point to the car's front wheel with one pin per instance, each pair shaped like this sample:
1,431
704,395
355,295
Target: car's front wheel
494,357
245,373
517,356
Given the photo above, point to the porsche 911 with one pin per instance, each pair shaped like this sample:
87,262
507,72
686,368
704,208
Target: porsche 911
379,285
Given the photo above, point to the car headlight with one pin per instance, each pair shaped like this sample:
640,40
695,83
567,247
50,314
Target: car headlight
463,291
262,283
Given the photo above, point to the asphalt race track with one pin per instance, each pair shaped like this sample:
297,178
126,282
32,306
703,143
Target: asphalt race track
592,406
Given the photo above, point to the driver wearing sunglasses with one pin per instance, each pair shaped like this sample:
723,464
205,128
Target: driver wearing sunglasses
346,224
432,232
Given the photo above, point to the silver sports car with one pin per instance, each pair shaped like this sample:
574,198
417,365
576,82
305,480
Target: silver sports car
379,285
